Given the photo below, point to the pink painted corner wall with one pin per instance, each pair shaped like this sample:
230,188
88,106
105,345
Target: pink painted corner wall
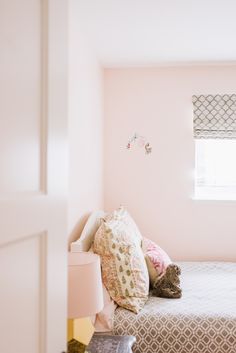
158,188
85,127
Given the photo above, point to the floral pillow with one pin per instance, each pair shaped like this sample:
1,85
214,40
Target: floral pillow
164,275
122,216
124,270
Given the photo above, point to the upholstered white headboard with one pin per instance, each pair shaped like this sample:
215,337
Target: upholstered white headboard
86,238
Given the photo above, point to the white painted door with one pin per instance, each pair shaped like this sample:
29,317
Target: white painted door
33,124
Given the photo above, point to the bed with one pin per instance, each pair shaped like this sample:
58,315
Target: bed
202,321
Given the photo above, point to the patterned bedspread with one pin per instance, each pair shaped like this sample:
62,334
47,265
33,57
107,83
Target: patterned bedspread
202,321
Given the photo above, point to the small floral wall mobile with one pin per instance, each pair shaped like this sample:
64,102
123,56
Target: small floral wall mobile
139,141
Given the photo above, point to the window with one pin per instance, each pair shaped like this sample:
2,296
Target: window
214,125
215,169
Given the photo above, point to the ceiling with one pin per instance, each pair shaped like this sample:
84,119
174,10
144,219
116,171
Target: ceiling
154,32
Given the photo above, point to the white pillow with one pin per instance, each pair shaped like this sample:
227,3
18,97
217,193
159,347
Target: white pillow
87,236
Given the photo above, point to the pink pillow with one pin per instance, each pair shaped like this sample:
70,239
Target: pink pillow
104,319
156,258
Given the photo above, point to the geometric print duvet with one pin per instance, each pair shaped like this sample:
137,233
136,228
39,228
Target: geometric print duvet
202,321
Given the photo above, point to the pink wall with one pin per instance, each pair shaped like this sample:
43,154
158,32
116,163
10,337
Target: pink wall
85,126
158,188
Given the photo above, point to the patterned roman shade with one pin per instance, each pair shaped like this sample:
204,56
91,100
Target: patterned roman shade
214,116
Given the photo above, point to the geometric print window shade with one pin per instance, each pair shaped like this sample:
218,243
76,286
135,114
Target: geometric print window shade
214,116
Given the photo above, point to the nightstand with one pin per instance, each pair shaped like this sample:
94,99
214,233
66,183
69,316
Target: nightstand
111,344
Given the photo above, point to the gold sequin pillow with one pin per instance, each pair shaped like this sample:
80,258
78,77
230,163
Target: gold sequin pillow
124,269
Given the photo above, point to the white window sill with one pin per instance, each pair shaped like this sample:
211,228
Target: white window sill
215,193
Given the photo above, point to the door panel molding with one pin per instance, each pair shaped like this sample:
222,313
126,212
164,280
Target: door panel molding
41,244
39,113
44,96
43,238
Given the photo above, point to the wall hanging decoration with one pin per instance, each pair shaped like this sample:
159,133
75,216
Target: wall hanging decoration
139,141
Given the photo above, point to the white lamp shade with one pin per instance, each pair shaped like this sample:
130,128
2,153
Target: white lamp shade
85,292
